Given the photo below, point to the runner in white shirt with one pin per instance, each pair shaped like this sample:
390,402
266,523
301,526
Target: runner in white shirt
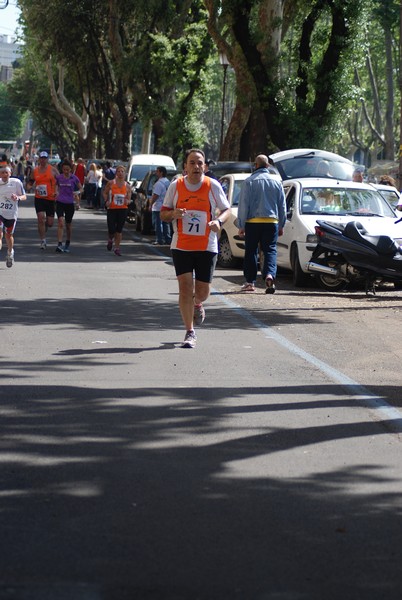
11,192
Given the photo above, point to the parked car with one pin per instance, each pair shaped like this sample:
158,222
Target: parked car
309,162
231,245
309,199
221,168
140,206
306,200
389,192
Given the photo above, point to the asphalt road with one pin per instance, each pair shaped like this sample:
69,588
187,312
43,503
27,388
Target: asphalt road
263,465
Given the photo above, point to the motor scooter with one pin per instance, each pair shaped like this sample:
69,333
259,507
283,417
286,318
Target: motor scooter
347,253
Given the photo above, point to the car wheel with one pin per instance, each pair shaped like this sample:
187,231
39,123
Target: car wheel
299,277
131,214
225,256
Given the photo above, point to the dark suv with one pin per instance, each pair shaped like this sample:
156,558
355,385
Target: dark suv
140,206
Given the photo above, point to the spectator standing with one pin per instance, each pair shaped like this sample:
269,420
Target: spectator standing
191,204
11,192
207,169
162,229
91,184
108,175
44,179
28,171
387,180
261,218
19,169
67,185
358,175
98,195
79,171
117,195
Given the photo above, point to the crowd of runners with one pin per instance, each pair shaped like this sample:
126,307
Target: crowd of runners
57,192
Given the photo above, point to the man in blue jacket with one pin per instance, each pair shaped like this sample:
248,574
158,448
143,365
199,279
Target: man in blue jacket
261,218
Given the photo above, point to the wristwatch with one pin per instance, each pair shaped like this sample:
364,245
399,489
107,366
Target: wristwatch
220,222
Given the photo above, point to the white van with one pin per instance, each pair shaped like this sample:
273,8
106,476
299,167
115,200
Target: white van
140,164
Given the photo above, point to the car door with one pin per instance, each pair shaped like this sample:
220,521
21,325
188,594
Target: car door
285,240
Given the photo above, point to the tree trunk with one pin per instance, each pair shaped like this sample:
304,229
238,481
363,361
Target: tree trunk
389,149
146,138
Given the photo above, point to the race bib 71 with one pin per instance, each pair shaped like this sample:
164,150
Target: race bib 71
194,222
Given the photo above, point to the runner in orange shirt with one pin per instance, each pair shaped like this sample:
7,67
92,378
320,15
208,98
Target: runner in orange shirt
191,205
117,196
44,179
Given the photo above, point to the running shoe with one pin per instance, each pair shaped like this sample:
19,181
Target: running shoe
248,287
199,314
117,252
10,259
270,283
66,248
109,245
190,340
59,248
43,245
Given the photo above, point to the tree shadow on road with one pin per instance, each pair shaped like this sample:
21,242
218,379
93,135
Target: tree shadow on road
129,492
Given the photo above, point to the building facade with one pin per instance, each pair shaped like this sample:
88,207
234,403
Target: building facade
10,51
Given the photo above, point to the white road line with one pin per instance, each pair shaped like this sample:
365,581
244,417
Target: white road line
378,404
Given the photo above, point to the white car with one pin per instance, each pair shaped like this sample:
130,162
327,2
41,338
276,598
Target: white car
336,201
389,192
231,245
310,162
299,162
334,197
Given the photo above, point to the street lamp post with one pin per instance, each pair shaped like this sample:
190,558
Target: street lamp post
223,59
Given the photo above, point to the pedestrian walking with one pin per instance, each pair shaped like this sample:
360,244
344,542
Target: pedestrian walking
67,186
117,196
162,229
43,178
191,205
11,192
261,218
91,185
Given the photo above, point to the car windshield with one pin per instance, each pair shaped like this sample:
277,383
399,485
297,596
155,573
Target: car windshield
344,201
138,172
236,192
225,183
314,166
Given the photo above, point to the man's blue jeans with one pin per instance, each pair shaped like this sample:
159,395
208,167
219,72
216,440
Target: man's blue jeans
264,236
162,229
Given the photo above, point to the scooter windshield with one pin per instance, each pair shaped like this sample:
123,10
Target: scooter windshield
344,201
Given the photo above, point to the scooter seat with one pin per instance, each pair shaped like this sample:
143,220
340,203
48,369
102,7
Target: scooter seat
382,243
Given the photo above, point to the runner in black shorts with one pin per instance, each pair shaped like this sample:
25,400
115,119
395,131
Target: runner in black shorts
117,195
67,186
45,206
44,179
191,205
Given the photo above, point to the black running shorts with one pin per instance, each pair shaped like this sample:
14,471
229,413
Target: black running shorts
202,263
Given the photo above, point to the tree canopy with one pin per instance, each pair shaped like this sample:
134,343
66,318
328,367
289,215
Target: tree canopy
306,73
